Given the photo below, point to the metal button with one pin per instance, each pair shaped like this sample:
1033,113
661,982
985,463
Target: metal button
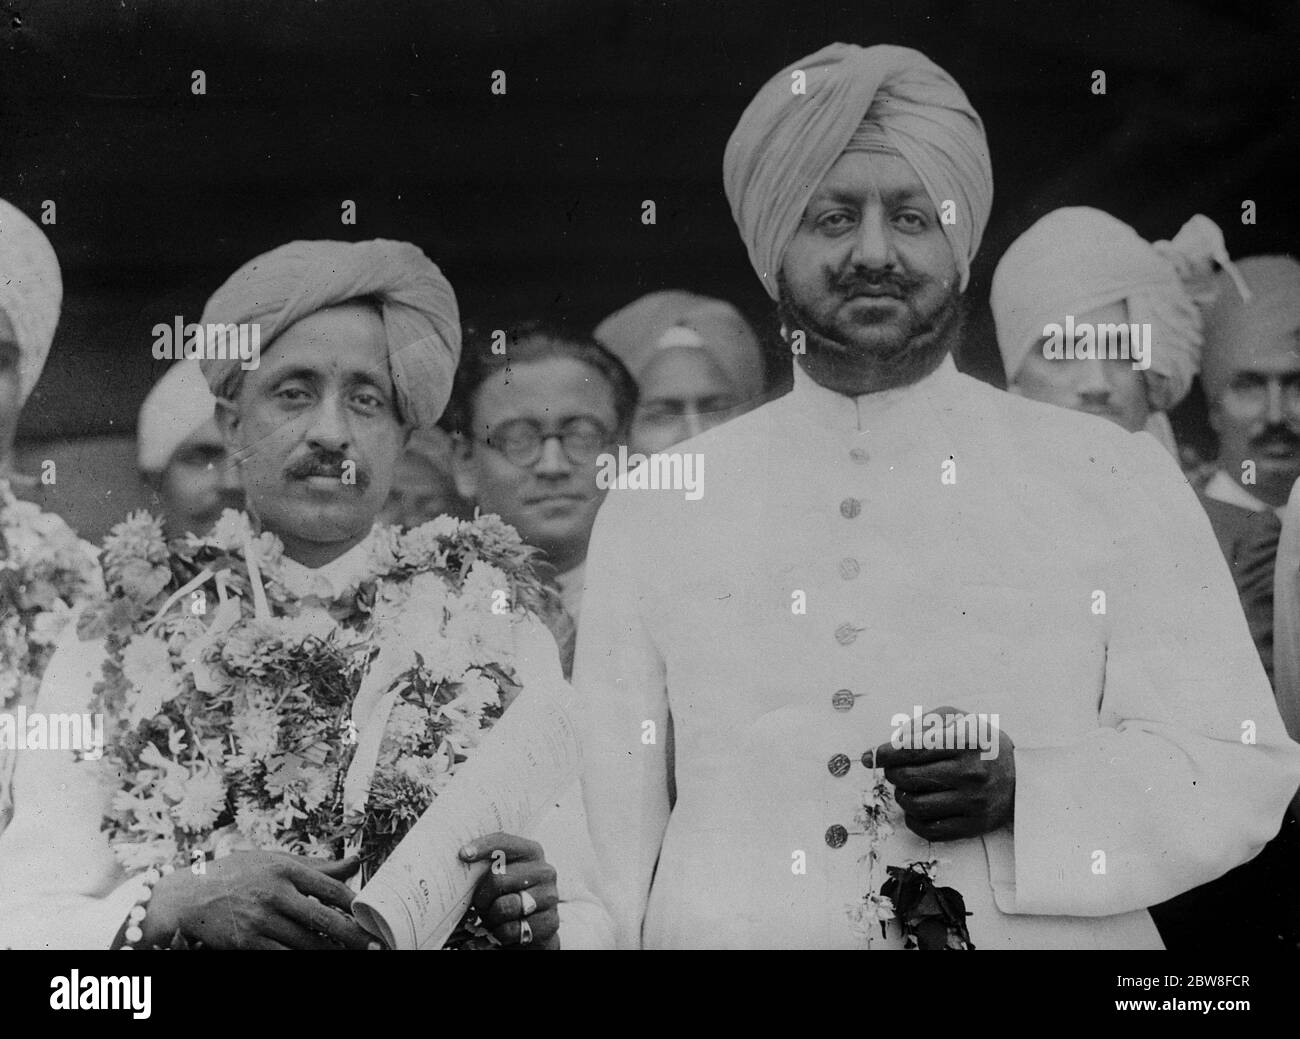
849,568
839,765
860,456
846,633
869,758
850,508
843,699
837,836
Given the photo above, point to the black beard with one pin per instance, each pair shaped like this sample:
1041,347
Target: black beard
851,369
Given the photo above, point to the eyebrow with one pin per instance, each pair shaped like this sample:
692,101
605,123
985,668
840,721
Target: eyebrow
895,195
367,376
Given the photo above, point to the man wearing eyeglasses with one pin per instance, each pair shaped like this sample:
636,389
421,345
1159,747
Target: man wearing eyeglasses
532,411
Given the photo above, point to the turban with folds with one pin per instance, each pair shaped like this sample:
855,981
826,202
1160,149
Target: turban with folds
683,320
1078,259
1267,324
31,291
179,403
421,319
787,141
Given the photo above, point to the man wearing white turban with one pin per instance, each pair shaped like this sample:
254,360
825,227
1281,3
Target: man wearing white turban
1085,265
181,456
893,535
44,568
695,360
31,292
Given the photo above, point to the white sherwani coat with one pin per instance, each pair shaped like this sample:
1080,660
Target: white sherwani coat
61,886
1135,775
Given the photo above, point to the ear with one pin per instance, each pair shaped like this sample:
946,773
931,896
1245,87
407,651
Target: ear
464,467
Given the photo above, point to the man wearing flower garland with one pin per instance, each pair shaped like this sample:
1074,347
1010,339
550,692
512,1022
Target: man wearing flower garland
891,534
45,569
359,345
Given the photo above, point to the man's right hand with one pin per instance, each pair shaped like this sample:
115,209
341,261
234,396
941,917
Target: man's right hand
258,900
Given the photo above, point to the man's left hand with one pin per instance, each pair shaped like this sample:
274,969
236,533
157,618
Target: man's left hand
517,896
947,794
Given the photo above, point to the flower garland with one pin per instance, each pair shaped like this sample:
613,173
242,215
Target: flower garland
929,917
234,724
45,571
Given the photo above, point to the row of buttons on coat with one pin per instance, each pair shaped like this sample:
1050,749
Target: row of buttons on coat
845,634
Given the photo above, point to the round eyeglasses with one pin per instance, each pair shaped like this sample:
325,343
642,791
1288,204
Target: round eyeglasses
521,441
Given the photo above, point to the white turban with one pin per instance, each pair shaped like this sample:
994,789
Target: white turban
179,404
673,319
421,319
1078,259
787,141
31,292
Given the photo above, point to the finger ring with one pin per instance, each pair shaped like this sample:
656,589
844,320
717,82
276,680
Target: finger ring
525,932
528,904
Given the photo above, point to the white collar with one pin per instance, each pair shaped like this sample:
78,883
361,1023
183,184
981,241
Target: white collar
869,411
1222,487
334,578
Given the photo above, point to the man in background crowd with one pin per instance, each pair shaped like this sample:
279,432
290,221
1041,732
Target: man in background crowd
1084,263
1252,382
531,423
181,456
45,570
695,360
425,486
1086,266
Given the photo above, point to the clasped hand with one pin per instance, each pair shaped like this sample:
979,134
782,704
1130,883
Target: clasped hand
273,900
948,793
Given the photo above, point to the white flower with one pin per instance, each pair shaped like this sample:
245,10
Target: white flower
203,800
259,827
483,588
49,624
232,531
316,785
148,667
429,772
422,546
868,914
477,693
256,730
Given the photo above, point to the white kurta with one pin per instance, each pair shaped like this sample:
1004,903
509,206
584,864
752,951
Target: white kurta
979,594
61,886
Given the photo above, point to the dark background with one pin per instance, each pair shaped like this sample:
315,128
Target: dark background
531,202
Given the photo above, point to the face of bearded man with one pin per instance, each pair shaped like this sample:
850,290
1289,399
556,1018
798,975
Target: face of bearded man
870,278
316,432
